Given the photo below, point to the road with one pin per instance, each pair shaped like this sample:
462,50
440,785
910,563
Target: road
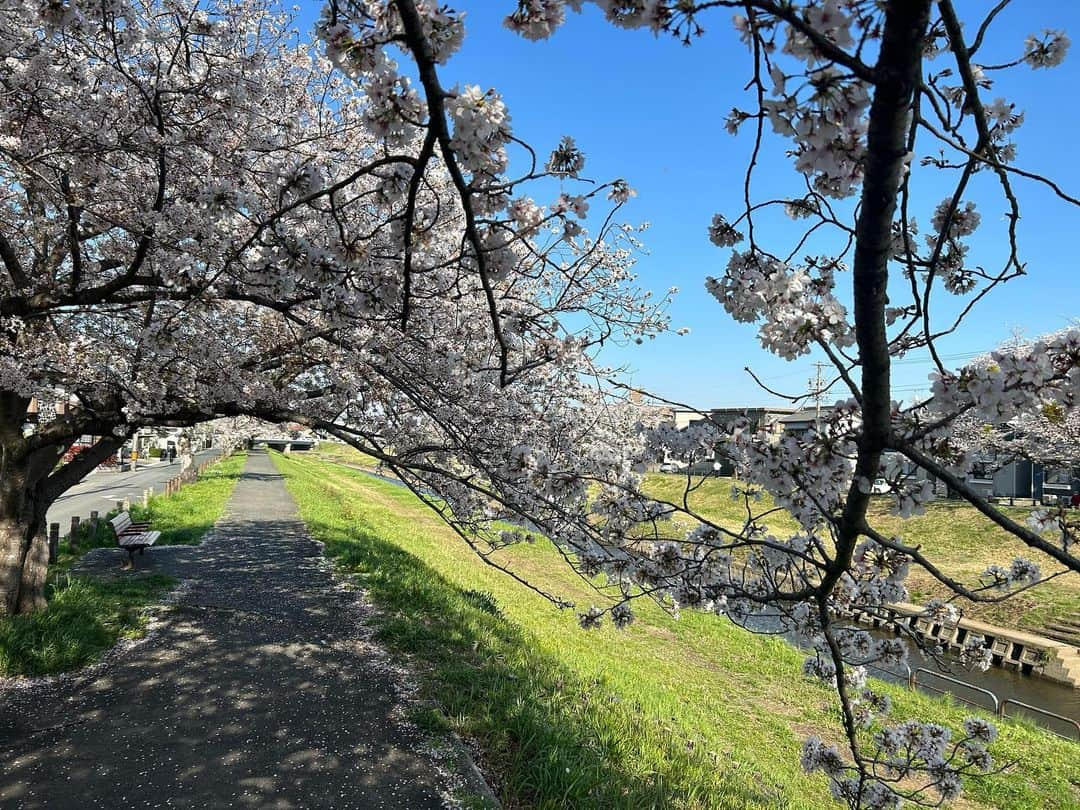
103,488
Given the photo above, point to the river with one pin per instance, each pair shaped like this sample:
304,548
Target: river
1005,684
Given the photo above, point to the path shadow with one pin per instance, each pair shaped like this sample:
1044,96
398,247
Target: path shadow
283,719
259,687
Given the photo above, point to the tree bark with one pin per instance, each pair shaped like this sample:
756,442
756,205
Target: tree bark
24,549
22,517
35,568
29,484
897,75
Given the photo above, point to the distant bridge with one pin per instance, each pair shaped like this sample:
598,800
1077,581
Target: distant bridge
281,443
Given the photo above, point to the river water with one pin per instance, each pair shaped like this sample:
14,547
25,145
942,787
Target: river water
1006,684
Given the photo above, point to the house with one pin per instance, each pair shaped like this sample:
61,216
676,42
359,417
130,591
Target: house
760,418
992,479
1021,478
801,422
1057,481
765,419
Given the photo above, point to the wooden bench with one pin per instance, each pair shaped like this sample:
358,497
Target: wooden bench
132,536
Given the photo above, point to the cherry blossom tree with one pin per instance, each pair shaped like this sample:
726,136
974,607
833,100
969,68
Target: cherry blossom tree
1048,435
141,144
870,98
204,218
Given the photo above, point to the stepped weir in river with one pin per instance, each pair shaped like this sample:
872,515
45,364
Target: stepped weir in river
1026,652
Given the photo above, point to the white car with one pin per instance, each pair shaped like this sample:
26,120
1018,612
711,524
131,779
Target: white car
879,487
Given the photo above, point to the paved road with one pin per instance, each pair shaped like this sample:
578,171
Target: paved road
103,488
260,687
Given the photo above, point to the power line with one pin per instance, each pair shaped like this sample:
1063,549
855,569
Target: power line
928,360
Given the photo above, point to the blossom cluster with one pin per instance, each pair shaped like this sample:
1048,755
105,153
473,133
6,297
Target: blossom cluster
797,305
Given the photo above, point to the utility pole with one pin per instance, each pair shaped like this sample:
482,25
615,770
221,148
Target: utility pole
817,386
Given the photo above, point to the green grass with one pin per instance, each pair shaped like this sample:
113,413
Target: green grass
960,540
693,713
86,616
184,518
88,537
345,454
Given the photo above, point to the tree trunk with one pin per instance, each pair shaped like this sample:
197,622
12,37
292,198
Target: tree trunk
24,563
24,549
35,568
12,538
29,484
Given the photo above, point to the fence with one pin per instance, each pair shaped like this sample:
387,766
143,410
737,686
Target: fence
910,677
187,476
913,682
79,528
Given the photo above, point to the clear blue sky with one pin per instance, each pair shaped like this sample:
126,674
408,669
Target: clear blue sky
652,111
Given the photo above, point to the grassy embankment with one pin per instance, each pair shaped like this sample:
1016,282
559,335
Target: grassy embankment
184,518
345,454
693,713
956,537
86,615
960,540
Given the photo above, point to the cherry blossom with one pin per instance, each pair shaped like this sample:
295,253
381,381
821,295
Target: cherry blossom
335,238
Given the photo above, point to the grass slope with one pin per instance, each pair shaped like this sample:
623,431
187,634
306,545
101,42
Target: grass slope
960,540
345,454
86,616
694,713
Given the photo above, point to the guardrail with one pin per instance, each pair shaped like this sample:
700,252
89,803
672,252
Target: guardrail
1028,707
997,706
913,682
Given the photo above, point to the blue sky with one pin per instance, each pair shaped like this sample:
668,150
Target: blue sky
652,111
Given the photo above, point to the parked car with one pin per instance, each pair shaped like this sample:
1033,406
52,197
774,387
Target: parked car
879,487
671,467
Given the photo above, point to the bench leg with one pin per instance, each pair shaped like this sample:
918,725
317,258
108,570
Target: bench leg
130,564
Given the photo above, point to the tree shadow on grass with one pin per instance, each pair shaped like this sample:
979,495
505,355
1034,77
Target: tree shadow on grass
84,618
547,736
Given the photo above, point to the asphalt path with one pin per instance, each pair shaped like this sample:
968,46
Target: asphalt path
260,685
100,490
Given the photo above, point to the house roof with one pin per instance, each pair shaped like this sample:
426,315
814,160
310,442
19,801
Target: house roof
804,415
739,409
755,408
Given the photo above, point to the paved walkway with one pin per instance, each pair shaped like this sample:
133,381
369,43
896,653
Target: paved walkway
258,688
